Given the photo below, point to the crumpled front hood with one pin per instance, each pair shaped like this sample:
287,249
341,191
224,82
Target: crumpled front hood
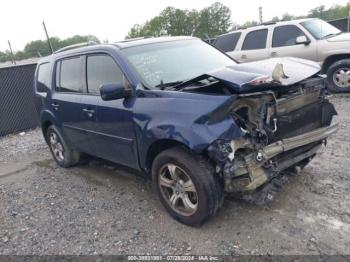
339,38
238,76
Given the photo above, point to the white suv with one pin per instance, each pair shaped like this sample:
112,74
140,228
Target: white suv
312,39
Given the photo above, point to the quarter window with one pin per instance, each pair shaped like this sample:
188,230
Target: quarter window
227,43
69,75
285,35
255,40
101,69
43,80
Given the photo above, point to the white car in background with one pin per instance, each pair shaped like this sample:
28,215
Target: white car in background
312,39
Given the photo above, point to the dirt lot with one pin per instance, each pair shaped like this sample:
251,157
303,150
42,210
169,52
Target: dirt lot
104,209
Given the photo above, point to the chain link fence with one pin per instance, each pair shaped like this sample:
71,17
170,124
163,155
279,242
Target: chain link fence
17,109
342,24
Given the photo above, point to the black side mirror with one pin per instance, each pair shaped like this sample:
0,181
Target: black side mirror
114,91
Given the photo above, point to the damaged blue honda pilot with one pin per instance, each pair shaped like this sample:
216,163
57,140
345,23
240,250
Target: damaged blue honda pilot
179,109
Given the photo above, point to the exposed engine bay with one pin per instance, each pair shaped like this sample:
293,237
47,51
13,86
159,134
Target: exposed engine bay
282,129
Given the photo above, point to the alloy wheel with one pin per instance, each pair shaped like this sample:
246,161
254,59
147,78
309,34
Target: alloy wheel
56,146
178,189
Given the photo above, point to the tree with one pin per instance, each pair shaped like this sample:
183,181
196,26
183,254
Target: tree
249,24
275,19
287,17
179,22
209,22
135,31
213,20
335,12
5,56
317,11
41,48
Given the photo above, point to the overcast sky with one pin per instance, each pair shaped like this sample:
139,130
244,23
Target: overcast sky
110,19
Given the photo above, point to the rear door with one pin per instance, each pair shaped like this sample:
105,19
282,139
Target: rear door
66,101
284,43
254,46
109,123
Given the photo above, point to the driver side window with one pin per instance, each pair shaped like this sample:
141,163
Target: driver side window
101,69
285,35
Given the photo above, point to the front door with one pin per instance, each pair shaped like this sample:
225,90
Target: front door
284,43
110,128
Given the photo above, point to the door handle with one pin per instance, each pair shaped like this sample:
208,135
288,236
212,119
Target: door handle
55,106
90,112
244,56
274,54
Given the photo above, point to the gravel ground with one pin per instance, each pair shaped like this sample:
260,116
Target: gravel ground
99,208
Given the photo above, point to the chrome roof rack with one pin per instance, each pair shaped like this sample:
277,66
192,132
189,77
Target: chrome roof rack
66,48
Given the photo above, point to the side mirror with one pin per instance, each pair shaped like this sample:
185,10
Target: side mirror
302,40
114,91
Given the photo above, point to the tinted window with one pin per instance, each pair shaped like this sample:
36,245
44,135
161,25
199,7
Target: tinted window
43,80
69,75
285,35
227,43
101,69
255,40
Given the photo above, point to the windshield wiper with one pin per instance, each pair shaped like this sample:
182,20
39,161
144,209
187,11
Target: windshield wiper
332,34
199,81
162,85
178,85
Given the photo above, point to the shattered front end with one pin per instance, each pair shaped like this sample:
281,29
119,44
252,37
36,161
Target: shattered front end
282,130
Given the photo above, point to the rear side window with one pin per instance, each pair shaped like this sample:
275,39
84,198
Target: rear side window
43,80
285,35
101,69
227,43
69,75
255,40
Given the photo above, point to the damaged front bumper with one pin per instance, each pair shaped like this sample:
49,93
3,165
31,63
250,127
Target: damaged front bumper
258,167
284,145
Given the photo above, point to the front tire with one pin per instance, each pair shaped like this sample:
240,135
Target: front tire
338,76
61,152
187,185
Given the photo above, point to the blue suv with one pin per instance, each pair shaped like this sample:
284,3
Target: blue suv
179,109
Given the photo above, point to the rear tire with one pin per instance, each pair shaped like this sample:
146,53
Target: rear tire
338,76
61,152
187,185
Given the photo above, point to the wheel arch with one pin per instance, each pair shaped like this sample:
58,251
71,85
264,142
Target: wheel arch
159,146
44,126
331,60
47,119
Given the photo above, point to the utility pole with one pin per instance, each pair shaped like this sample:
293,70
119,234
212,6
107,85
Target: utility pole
48,38
260,15
12,56
348,29
348,22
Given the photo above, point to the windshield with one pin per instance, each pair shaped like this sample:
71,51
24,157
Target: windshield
170,63
320,29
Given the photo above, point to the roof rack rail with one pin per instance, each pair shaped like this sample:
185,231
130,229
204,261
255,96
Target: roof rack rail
268,23
131,39
75,46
